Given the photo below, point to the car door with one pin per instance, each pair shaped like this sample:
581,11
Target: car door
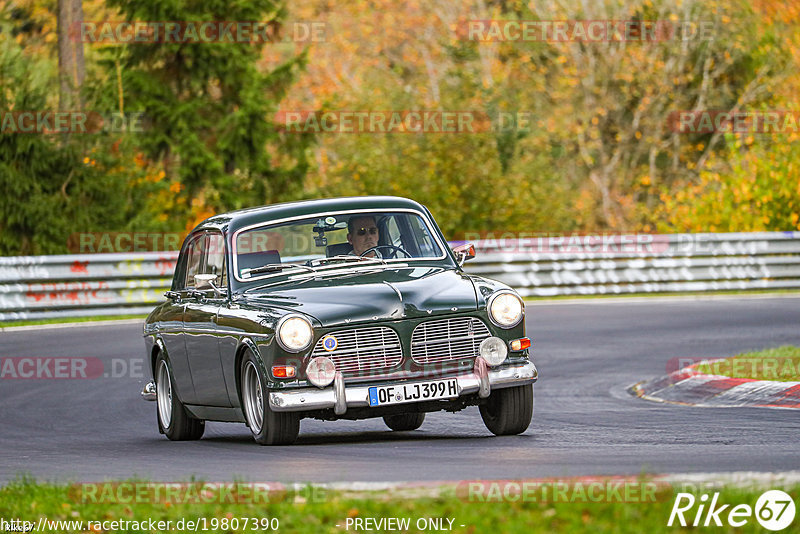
173,333
200,325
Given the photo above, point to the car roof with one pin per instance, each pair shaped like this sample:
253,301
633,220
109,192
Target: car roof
234,220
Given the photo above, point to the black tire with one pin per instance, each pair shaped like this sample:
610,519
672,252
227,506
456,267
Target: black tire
267,427
173,420
508,411
404,421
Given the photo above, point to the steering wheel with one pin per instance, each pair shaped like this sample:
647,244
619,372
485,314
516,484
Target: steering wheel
391,248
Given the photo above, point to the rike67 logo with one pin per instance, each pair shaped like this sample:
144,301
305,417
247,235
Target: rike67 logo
774,510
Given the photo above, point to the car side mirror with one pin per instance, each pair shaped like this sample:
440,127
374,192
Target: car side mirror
204,282
464,252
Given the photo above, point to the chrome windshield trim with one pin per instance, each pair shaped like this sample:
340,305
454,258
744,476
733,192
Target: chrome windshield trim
235,237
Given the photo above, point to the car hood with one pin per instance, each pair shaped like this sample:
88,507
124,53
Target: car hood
381,294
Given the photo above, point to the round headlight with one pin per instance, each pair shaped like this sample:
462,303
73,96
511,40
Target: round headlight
493,350
294,333
505,309
321,371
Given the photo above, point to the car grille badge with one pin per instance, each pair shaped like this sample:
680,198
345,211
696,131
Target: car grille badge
330,343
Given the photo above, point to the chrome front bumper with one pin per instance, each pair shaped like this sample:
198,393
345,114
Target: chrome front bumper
340,397
481,380
149,391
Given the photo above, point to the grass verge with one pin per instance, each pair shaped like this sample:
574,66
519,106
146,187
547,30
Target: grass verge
313,510
73,320
781,364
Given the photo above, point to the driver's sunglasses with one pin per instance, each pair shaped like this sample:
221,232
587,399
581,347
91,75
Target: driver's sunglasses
373,230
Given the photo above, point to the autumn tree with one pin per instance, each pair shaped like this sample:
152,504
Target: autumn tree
51,188
209,106
752,182
599,152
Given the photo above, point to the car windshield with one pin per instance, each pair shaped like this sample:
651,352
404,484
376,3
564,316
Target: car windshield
362,238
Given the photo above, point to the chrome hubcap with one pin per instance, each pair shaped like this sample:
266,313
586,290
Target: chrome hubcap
253,398
164,394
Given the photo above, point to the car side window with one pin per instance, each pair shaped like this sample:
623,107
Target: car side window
422,237
194,260
393,232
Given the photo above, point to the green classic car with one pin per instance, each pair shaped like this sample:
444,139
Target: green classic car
344,308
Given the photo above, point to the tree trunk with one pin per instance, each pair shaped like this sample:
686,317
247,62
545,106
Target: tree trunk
71,68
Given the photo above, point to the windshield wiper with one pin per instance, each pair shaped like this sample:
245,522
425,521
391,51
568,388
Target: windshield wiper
345,258
274,268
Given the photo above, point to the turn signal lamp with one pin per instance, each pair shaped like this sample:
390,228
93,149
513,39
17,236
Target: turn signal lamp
520,344
283,371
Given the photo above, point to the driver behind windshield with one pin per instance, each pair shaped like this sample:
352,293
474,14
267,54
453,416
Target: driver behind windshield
362,234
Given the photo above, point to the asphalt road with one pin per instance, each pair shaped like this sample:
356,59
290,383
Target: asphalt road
584,422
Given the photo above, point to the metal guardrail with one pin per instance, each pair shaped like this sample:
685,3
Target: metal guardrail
41,287
44,287
594,265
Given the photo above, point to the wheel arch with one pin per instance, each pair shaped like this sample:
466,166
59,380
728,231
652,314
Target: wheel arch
158,346
244,345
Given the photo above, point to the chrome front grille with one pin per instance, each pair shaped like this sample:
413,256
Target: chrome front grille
447,340
362,351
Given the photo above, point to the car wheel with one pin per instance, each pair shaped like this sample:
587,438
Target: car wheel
508,411
268,427
173,419
404,421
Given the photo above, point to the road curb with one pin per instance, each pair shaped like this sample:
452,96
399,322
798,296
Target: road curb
459,488
690,387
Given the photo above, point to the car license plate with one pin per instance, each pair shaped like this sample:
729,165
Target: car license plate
419,391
